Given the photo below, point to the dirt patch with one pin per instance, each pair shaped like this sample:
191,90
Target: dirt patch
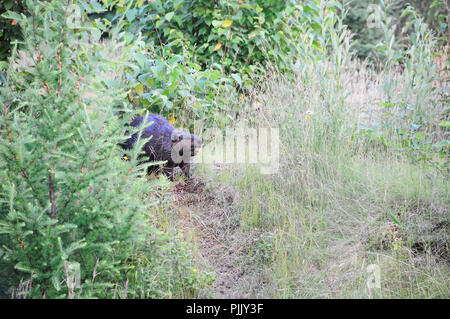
212,216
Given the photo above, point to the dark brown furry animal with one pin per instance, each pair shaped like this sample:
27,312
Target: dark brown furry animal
165,143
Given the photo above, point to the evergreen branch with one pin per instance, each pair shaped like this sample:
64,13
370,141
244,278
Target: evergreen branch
24,173
82,166
22,244
39,56
79,181
123,181
59,51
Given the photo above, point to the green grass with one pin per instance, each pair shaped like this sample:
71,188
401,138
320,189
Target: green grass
340,202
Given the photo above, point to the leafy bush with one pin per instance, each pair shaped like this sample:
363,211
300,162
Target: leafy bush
231,33
178,88
203,50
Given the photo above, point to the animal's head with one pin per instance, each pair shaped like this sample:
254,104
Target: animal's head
184,142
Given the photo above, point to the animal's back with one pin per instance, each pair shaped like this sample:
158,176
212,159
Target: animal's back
158,130
158,125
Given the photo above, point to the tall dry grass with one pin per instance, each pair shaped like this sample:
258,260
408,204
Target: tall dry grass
346,201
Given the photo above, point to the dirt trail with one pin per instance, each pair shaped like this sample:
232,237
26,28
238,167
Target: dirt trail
212,218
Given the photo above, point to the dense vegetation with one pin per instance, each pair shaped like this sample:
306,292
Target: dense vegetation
363,19
364,147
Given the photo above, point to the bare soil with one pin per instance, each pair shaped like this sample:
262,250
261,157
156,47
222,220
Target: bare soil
210,215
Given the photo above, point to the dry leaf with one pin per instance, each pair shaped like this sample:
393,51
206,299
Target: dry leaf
226,24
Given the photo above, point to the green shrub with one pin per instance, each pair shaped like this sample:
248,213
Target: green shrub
177,87
231,33
69,206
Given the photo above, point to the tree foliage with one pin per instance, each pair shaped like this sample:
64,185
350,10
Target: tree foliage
70,208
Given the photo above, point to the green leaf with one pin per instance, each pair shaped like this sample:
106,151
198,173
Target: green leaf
128,38
20,266
56,283
169,16
131,14
435,3
215,75
177,4
217,23
237,78
8,4
394,219
445,124
140,58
